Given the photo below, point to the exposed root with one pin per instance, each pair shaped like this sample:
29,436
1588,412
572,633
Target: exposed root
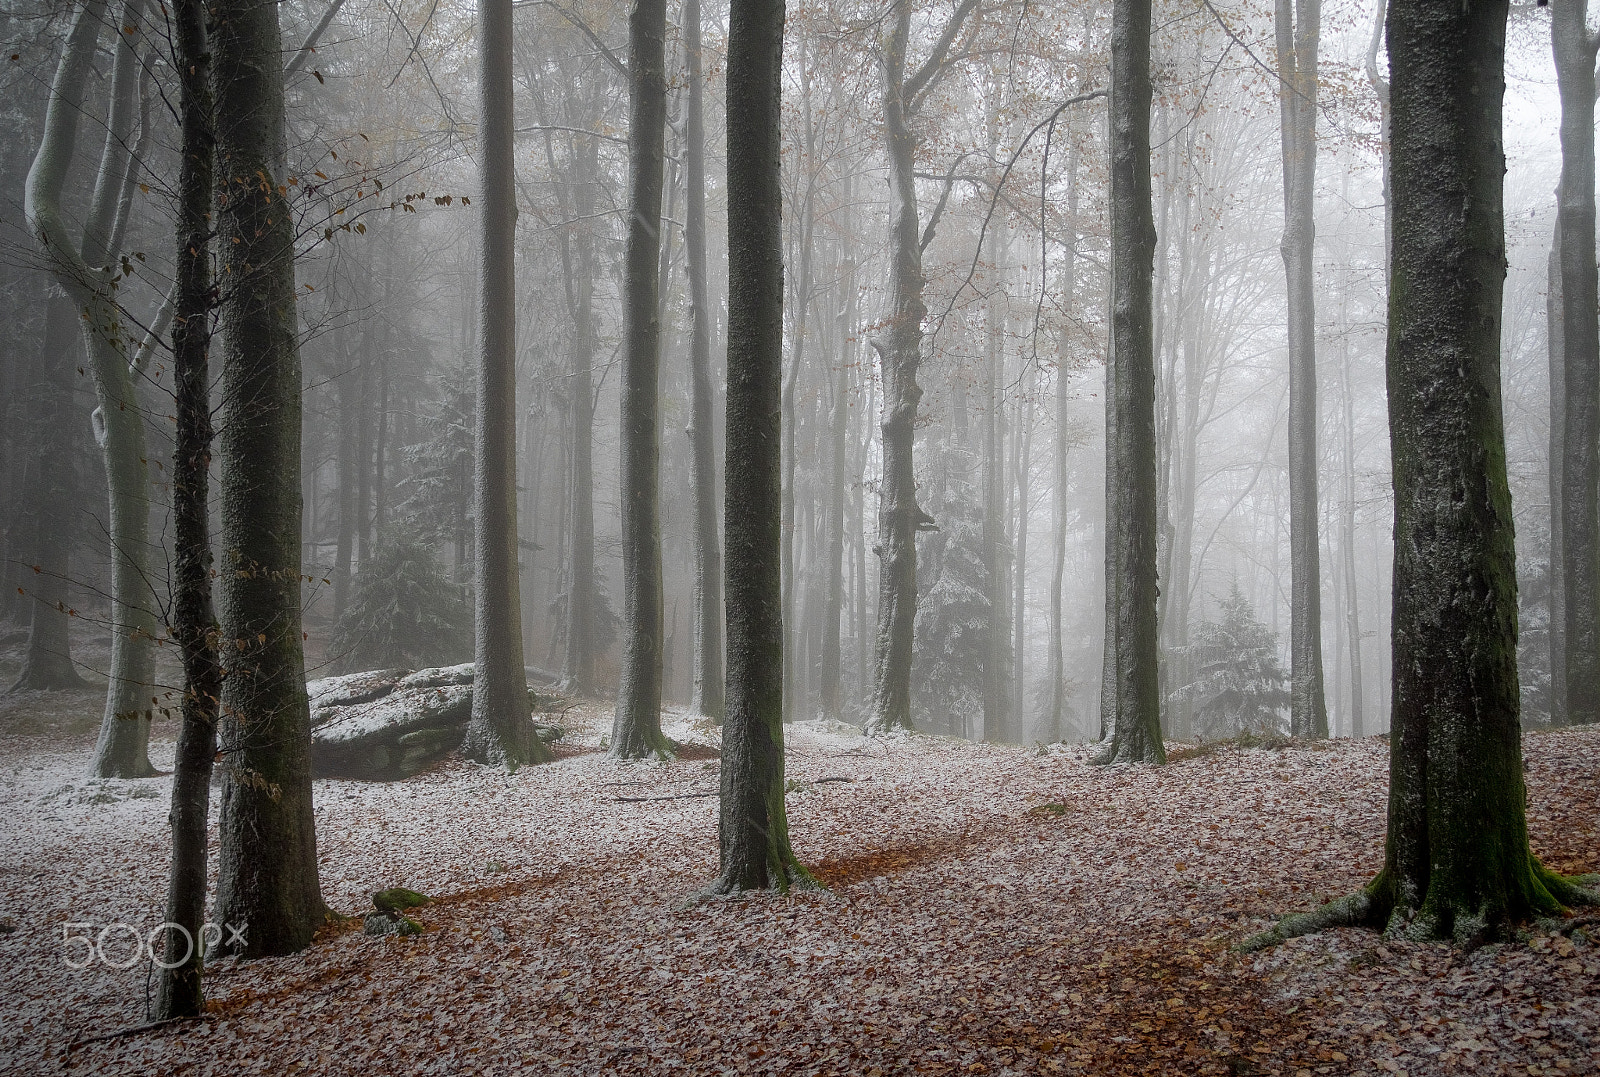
1360,909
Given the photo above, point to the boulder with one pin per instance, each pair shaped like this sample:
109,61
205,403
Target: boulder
388,724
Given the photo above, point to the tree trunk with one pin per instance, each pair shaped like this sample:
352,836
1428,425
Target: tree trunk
997,662
1575,50
85,272
268,877
1058,514
753,841
1023,451
349,391
579,671
636,730
53,488
501,728
1298,25
1457,863
1558,432
899,349
1130,706
707,699
1352,605
833,524
181,993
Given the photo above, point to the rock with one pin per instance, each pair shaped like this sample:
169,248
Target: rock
352,688
437,677
388,724
398,899
393,737
382,923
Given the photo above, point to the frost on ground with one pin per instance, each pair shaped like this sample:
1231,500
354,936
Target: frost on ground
991,910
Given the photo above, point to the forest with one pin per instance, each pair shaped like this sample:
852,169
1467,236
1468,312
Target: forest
824,537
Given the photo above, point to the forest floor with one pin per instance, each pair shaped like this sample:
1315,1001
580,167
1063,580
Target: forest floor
990,910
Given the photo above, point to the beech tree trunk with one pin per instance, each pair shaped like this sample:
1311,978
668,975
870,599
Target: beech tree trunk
1575,48
268,877
899,348
501,728
997,662
1056,705
753,846
181,993
85,272
1130,705
1558,449
636,729
707,697
1298,24
1457,864
832,663
53,490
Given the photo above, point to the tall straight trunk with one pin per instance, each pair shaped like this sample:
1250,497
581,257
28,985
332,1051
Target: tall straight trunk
899,348
1298,24
860,630
707,698
85,272
1058,501
997,660
795,688
1130,707
348,403
832,671
367,365
636,729
753,833
1352,604
181,993
1575,48
268,877
53,483
579,671
1023,453
1457,863
1557,580
500,730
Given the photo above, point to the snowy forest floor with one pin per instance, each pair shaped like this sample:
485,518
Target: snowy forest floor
990,910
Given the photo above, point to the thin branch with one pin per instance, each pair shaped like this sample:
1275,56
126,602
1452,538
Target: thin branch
309,46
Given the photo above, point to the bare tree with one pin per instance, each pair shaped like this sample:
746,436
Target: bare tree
754,829
1131,689
899,349
1298,24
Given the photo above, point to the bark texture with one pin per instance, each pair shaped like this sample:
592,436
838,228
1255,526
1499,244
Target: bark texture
636,729
1575,49
1130,694
753,844
1298,25
181,992
268,875
1456,863
501,728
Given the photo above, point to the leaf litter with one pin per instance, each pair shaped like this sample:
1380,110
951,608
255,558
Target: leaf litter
991,910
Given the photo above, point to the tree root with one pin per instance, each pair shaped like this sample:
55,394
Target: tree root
1359,909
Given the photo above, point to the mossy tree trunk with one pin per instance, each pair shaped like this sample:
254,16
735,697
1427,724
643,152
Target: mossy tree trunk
1457,863
268,875
753,826
1130,705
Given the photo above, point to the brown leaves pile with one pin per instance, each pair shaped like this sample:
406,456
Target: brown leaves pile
992,910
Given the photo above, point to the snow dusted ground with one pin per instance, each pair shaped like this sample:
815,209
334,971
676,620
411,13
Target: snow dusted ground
991,910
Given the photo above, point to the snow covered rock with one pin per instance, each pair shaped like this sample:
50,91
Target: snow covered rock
388,724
